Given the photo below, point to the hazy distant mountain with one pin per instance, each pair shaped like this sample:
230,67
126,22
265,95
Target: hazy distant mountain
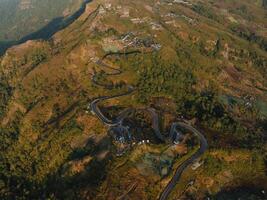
22,17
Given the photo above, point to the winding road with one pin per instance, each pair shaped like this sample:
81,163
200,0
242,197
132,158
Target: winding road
109,122
203,147
155,122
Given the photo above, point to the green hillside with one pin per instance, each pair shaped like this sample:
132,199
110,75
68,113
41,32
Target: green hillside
203,62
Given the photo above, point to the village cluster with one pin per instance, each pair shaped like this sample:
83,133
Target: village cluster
124,140
125,12
137,40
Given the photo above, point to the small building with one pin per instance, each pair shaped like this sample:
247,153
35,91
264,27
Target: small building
102,10
120,134
125,13
93,113
178,138
155,26
156,47
182,2
197,164
108,6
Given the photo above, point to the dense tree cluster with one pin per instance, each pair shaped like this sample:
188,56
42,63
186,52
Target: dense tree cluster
24,173
157,77
259,62
206,11
38,56
5,94
210,112
249,35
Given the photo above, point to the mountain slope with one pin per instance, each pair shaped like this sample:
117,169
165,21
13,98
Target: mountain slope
22,18
201,60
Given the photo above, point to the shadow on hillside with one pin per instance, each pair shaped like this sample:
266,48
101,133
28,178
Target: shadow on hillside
59,185
244,192
47,31
90,178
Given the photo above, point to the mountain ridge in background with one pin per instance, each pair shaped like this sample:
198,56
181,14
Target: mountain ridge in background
30,19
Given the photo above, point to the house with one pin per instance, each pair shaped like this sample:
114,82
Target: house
125,13
108,6
155,26
156,47
182,2
178,138
197,165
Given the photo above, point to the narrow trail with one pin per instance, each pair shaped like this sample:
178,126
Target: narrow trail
118,121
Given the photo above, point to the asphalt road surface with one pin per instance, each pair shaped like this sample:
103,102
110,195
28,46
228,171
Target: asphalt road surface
203,147
155,123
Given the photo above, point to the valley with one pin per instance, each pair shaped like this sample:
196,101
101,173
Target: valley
30,19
